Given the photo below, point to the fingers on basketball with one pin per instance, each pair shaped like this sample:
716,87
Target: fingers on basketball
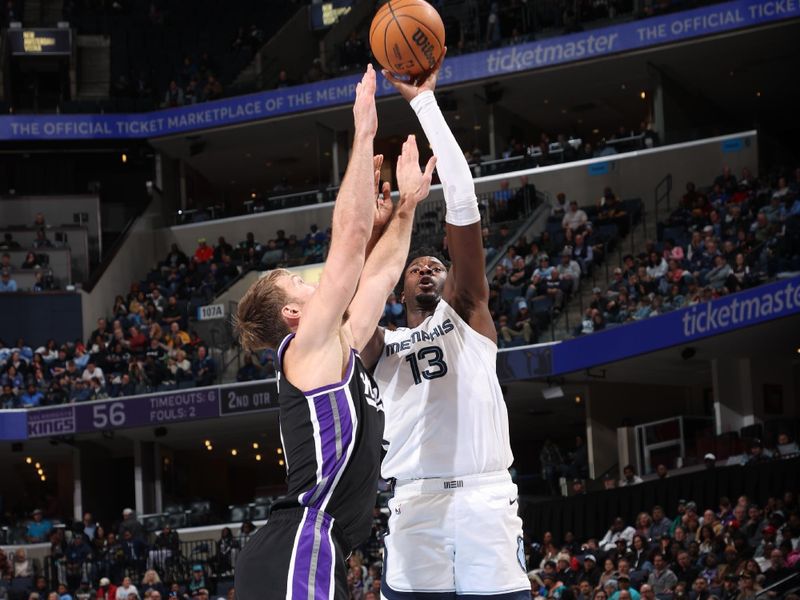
407,37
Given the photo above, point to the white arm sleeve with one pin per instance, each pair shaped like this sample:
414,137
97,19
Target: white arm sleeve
459,190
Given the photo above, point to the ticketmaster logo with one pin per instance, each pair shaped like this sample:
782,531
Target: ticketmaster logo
521,59
721,314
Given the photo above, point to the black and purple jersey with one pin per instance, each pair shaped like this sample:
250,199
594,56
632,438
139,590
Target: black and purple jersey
331,440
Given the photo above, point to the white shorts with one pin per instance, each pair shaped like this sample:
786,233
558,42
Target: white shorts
460,535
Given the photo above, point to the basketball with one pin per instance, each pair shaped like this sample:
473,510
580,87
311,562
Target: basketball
407,37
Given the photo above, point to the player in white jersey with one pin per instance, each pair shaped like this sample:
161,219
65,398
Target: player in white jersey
454,529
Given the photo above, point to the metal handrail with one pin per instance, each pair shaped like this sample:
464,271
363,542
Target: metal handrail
662,193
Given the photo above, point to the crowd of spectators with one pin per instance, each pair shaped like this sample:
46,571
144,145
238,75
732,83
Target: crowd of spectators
88,560
121,560
146,342
730,551
731,237
533,281
735,235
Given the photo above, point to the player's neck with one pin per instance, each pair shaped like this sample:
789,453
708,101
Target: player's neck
416,315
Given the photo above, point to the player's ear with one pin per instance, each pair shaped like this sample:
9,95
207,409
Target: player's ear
291,314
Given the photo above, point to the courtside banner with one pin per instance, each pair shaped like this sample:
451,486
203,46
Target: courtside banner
124,413
586,45
723,315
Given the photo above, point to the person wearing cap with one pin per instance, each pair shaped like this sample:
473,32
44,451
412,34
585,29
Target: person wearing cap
6,283
106,590
564,573
569,270
39,528
623,586
523,325
132,524
590,572
203,253
197,580
709,460
758,453
768,538
85,591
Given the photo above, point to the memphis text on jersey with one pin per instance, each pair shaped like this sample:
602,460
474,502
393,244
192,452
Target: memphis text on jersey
420,336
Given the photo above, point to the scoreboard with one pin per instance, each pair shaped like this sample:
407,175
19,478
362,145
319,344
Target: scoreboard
40,42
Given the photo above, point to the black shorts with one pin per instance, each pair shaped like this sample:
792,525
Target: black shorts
297,555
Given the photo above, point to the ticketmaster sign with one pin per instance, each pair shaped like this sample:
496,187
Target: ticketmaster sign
637,35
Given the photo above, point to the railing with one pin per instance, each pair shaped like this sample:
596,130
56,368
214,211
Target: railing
662,193
784,587
175,564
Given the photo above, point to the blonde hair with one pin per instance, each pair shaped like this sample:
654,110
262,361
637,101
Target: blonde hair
258,323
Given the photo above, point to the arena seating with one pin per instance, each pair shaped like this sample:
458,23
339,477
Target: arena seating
751,224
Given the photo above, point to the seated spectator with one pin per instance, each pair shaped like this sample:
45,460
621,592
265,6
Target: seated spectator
31,261
204,368
575,218
273,255
41,240
617,531
560,206
569,270
204,253
661,579
9,243
92,371
126,590
8,399
173,96
248,371
39,528
7,284
522,327
31,398
786,446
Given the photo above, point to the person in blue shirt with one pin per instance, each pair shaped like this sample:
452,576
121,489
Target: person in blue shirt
39,528
6,283
32,397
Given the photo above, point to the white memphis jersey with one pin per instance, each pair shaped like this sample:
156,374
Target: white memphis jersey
445,413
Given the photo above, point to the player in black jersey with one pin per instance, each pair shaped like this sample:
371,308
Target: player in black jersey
330,410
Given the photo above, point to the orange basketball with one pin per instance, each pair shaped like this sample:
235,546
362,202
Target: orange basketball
407,37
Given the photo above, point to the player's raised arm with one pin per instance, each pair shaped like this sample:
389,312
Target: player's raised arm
387,259
352,227
467,289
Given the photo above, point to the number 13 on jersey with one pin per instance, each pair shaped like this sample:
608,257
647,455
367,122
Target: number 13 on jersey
433,365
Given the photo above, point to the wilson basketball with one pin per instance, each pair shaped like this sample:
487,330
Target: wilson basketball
407,37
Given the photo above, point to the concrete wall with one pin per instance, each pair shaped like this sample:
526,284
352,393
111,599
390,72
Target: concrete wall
630,175
137,255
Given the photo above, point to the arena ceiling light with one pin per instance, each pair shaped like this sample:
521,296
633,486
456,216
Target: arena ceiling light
553,392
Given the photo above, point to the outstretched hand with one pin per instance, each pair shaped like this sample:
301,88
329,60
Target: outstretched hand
413,87
365,113
413,184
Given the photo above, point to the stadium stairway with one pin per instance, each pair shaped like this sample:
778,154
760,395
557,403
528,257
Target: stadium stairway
292,48
564,325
